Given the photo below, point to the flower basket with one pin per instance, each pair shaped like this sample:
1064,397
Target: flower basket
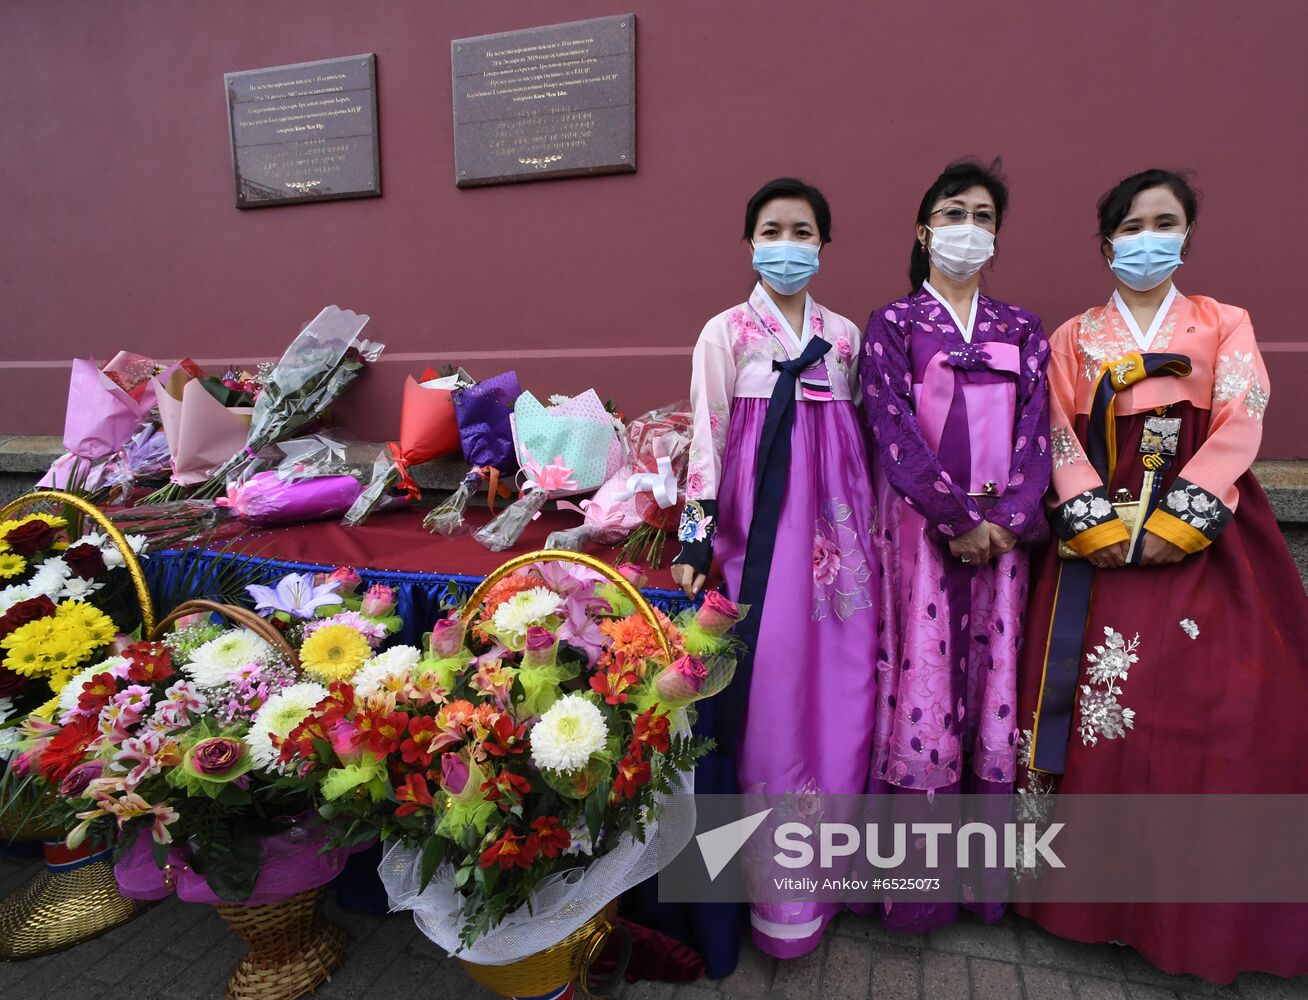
292,947
567,962
237,616
75,897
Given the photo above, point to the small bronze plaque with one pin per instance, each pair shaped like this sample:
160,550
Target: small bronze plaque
558,101
306,132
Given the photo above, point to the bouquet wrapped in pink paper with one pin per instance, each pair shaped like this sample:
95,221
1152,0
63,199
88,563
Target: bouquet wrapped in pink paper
428,430
266,498
106,407
205,425
642,500
567,448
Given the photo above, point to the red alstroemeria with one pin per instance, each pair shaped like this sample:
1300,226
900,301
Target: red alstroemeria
504,739
416,750
300,743
613,683
96,694
633,774
548,837
150,662
338,703
506,788
651,731
510,851
413,795
382,732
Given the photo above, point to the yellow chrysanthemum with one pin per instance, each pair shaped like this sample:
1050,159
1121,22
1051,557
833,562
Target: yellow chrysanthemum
334,653
35,634
94,623
25,659
11,564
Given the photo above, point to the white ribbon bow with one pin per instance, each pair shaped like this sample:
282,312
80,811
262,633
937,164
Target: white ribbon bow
663,484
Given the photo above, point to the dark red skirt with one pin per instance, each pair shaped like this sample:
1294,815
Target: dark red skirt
1223,712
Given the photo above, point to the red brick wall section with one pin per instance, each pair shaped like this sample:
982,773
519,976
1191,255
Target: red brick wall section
119,226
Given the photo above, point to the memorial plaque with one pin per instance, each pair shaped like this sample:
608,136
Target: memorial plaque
558,101
306,132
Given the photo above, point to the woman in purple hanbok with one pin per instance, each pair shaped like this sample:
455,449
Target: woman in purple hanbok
957,402
780,493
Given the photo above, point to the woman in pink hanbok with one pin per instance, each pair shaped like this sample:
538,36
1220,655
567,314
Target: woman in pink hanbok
780,495
958,407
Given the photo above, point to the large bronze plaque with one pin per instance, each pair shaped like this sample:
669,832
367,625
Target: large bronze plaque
558,101
306,132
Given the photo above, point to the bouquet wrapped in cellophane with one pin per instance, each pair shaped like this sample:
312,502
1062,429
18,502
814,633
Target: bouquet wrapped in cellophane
168,745
315,369
484,413
642,500
564,449
521,764
428,430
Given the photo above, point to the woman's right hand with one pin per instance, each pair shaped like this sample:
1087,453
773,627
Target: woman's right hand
686,577
974,547
1109,557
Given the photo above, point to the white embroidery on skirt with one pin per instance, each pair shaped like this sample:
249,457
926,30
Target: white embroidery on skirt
840,568
1101,714
1190,628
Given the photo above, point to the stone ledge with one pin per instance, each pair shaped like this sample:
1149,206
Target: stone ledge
1286,482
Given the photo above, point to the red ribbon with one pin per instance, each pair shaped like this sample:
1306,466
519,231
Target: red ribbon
402,467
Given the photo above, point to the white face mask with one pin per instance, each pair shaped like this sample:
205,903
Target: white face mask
961,251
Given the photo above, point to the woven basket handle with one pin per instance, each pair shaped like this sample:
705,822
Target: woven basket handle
93,512
624,585
237,616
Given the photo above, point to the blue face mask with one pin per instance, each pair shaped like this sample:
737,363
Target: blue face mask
1145,260
786,267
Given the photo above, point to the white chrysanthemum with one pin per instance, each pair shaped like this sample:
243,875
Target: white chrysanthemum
279,716
73,689
568,734
395,662
213,663
50,577
77,589
12,595
521,611
6,713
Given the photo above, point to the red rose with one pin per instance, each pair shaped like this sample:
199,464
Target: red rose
33,609
86,561
67,749
10,682
30,538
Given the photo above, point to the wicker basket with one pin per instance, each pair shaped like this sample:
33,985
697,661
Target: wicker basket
237,616
292,948
552,971
75,897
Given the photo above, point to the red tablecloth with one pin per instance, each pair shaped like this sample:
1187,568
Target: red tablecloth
398,542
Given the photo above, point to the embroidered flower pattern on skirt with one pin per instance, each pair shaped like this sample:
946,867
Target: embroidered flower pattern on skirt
1190,628
841,574
1109,664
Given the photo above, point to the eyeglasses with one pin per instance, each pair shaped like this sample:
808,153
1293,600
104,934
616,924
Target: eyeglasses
956,216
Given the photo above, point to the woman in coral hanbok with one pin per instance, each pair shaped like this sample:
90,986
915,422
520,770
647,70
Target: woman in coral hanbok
1167,651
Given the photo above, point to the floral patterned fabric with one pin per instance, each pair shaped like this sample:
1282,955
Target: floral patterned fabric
1193,677
948,657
